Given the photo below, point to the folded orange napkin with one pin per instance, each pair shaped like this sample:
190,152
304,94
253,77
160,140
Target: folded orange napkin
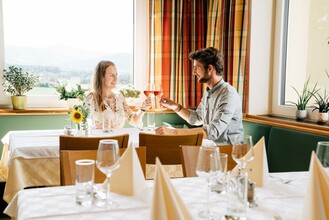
316,204
257,168
166,204
128,179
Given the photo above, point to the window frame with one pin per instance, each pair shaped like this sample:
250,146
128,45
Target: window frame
279,66
140,62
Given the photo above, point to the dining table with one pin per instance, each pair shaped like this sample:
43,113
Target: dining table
32,156
282,197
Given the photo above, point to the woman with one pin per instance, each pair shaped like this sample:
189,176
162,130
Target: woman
104,102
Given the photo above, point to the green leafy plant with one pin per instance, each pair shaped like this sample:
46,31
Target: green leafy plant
304,96
322,102
129,91
16,82
65,94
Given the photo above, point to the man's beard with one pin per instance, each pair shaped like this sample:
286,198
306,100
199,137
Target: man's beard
204,79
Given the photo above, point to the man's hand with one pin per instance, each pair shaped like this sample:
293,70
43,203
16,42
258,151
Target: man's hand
166,131
167,103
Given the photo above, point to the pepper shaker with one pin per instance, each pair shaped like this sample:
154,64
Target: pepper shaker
251,194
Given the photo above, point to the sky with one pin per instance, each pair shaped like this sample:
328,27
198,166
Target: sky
92,25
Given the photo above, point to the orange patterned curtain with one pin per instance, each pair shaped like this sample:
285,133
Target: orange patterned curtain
178,27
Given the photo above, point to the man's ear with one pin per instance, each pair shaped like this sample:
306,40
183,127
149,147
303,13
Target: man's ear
210,67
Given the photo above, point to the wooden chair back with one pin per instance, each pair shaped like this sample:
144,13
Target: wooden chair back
70,156
166,147
89,143
189,157
86,143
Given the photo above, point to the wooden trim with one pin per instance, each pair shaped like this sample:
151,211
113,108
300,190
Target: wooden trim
48,111
62,111
289,124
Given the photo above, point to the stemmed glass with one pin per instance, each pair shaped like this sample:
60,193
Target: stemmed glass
322,152
242,151
158,92
108,160
149,89
208,167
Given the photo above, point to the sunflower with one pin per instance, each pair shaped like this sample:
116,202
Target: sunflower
76,116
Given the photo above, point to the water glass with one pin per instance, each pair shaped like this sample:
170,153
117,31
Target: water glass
237,195
84,181
208,167
106,123
219,184
150,117
322,152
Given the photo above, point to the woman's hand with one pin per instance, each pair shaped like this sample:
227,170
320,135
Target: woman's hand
147,104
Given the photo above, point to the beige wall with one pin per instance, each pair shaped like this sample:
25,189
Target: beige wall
261,47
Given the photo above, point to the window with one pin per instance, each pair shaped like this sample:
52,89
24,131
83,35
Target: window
302,50
63,40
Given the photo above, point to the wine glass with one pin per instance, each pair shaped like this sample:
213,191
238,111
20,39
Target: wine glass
149,89
158,92
242,151
208,167
108,160
322,152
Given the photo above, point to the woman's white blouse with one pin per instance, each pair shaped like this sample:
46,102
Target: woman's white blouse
117,110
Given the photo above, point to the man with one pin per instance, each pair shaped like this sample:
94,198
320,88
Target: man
220,111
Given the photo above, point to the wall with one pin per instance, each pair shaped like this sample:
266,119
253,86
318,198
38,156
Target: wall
261,50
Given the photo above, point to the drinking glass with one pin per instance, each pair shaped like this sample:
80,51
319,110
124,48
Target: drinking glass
158,92
150,118
208,167
242,151
149,89
322,152
237,196
219,184
108,160
84,181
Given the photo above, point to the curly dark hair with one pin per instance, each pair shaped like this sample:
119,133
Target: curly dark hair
209,56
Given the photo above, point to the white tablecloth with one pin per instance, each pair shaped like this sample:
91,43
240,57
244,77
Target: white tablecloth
33,156
276,198
45,143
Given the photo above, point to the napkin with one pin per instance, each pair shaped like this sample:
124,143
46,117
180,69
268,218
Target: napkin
316,204
128,179
257,168
166,204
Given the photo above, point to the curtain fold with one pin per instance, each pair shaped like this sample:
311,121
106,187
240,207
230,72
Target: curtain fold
178,27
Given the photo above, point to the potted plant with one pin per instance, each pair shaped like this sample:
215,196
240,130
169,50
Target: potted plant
18,83
74,96
322,105
303,98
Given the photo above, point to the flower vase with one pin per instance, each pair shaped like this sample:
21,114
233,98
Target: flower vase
322,117
84,128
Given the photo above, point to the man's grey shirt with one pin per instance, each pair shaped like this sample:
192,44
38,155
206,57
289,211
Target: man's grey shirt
219,113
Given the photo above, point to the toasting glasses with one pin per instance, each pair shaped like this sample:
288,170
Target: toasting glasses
208,167
108,160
